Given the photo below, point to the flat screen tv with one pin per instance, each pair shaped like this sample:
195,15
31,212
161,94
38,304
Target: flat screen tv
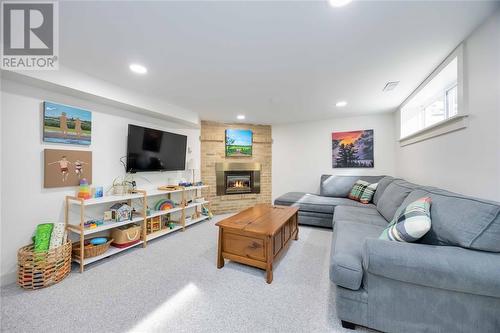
153,150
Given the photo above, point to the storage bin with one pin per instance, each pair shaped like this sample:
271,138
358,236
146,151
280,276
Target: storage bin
90,250
37,270
126,235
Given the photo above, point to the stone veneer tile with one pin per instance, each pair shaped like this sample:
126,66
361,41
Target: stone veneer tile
213,151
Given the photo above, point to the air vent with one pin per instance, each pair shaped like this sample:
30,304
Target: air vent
390,86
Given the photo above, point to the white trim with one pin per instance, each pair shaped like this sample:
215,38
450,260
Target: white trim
452,124
458,53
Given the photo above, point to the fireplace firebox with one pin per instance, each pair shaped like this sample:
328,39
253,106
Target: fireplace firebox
237,178
238,182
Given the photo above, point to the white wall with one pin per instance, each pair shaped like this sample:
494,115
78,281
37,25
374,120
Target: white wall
25,203
302,152
466,161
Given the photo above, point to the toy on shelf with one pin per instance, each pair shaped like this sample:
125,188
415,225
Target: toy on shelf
84,191
108,215
171,225
121,212
205,211
164,204
153,224
98,240
92,224
185,184
198,184
98,192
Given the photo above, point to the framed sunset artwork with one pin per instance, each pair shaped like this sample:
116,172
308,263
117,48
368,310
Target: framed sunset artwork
352,149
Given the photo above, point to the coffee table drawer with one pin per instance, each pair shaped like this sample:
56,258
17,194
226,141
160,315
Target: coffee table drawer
243,246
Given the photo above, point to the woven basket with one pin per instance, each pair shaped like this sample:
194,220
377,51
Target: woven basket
42,269
90,250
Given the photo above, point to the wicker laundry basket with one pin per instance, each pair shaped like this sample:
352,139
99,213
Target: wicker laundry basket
37,270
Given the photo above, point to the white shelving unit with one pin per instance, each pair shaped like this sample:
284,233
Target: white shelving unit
81,231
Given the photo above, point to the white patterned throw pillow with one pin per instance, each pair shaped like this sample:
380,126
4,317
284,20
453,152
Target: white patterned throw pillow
412,224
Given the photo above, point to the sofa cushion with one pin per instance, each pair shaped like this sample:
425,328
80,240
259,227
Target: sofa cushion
365,215
316,219
382,185
393,197
340,186
315,203
460,220
346,269
411,224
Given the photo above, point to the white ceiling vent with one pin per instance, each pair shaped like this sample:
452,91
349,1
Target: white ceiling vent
390,86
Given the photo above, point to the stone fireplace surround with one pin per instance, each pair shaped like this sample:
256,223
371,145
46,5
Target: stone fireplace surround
212,140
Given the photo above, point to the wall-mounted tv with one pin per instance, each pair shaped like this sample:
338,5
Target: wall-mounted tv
154,150
238,142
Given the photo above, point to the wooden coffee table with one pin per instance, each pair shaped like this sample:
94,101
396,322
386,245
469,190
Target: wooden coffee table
257,235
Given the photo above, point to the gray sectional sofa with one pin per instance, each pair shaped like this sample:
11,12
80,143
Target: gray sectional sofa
449,281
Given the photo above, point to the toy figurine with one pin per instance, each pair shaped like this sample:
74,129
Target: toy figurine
84,192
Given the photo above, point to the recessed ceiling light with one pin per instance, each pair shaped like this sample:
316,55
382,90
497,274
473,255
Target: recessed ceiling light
240,117
139,69
341,104
339,3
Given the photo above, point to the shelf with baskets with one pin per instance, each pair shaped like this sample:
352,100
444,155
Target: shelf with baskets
143,217
111,251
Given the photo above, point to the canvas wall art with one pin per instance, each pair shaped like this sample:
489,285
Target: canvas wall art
66,167
66,124
352,149
238,142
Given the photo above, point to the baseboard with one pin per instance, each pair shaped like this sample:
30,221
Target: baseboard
8,278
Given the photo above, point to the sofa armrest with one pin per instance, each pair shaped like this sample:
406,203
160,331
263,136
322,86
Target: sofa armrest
444,267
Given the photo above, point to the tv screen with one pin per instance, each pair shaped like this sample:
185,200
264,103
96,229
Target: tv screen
153,150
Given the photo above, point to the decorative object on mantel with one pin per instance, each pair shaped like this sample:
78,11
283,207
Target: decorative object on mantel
66,167
352,149
239,142
66,124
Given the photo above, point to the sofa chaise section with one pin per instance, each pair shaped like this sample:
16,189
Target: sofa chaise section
318,209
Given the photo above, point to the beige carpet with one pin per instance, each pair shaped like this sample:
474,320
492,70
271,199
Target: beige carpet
173,285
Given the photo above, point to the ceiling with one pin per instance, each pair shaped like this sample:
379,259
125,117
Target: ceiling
275,62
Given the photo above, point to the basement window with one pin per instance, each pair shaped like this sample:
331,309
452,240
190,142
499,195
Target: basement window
436,102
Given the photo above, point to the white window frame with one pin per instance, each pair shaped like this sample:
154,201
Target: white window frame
447,125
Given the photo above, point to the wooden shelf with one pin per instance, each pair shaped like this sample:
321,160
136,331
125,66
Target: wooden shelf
195,204
109,199
108,225
131,196
140,194
162,232
111,251
193,221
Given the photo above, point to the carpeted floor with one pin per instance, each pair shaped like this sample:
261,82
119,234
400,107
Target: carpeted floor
173,285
